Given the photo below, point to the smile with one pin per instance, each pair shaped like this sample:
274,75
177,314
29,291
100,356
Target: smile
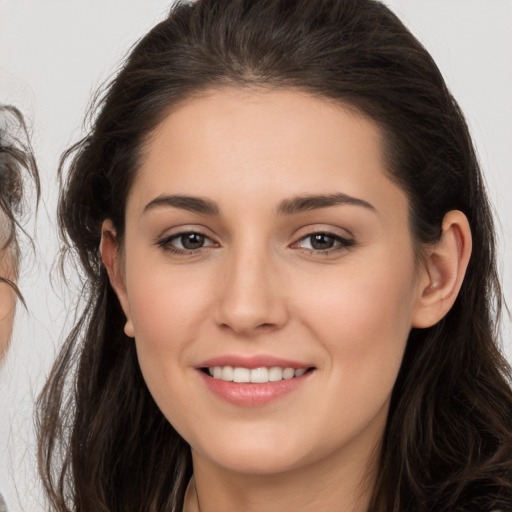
254,375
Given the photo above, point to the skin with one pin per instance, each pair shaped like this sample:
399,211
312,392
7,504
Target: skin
7,301
258,287
7,308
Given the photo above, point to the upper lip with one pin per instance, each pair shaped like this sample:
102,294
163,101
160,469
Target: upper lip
255,361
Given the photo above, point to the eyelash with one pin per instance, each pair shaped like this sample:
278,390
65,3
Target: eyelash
339,243
166,243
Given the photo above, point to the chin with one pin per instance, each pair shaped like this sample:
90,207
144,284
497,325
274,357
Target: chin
257,463
254,454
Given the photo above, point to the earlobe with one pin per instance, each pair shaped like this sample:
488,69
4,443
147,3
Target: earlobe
443,271
109,250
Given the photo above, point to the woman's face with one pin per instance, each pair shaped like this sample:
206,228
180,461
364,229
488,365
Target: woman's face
264,240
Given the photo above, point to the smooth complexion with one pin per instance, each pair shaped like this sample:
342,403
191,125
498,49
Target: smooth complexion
260,225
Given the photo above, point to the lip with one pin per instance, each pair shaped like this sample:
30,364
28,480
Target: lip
256,361
252,394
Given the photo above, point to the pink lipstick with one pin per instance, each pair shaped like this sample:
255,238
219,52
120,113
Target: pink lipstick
255,380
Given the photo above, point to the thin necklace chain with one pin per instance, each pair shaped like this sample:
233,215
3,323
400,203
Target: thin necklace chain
197,497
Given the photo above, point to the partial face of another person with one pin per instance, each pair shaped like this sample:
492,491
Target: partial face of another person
7,294
265,242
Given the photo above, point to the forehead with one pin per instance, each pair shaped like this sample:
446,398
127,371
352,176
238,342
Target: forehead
262,143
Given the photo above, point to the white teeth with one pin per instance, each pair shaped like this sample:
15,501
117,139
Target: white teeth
259,375
242,375
255,375
227,373
275,373
288,373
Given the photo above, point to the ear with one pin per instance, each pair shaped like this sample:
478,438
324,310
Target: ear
109,248
443,271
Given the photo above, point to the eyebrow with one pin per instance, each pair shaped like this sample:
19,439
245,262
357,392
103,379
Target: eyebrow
190,203
297,204
306,203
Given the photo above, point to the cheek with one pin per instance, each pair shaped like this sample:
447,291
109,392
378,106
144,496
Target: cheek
167,309
362,316
170,311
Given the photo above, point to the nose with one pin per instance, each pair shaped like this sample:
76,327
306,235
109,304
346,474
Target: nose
251,298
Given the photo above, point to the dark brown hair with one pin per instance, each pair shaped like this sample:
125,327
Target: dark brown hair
17,164
104,444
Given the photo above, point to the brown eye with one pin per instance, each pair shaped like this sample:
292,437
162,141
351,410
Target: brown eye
322,242
192,241
186,242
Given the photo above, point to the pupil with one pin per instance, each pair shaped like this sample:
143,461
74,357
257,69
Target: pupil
322,241
192,241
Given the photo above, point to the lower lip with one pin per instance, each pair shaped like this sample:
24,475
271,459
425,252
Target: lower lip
250,394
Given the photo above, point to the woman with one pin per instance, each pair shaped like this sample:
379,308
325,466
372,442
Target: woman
290,273
16,161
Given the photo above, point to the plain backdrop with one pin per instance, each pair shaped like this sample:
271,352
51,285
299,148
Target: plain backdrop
53,56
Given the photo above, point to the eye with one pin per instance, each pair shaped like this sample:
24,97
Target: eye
186,242
323,242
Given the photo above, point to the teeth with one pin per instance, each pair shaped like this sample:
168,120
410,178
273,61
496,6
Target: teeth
242,375
275,374
255,375
288,373
259,375
227,373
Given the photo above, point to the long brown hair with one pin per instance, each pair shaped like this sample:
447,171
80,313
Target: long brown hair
104,444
